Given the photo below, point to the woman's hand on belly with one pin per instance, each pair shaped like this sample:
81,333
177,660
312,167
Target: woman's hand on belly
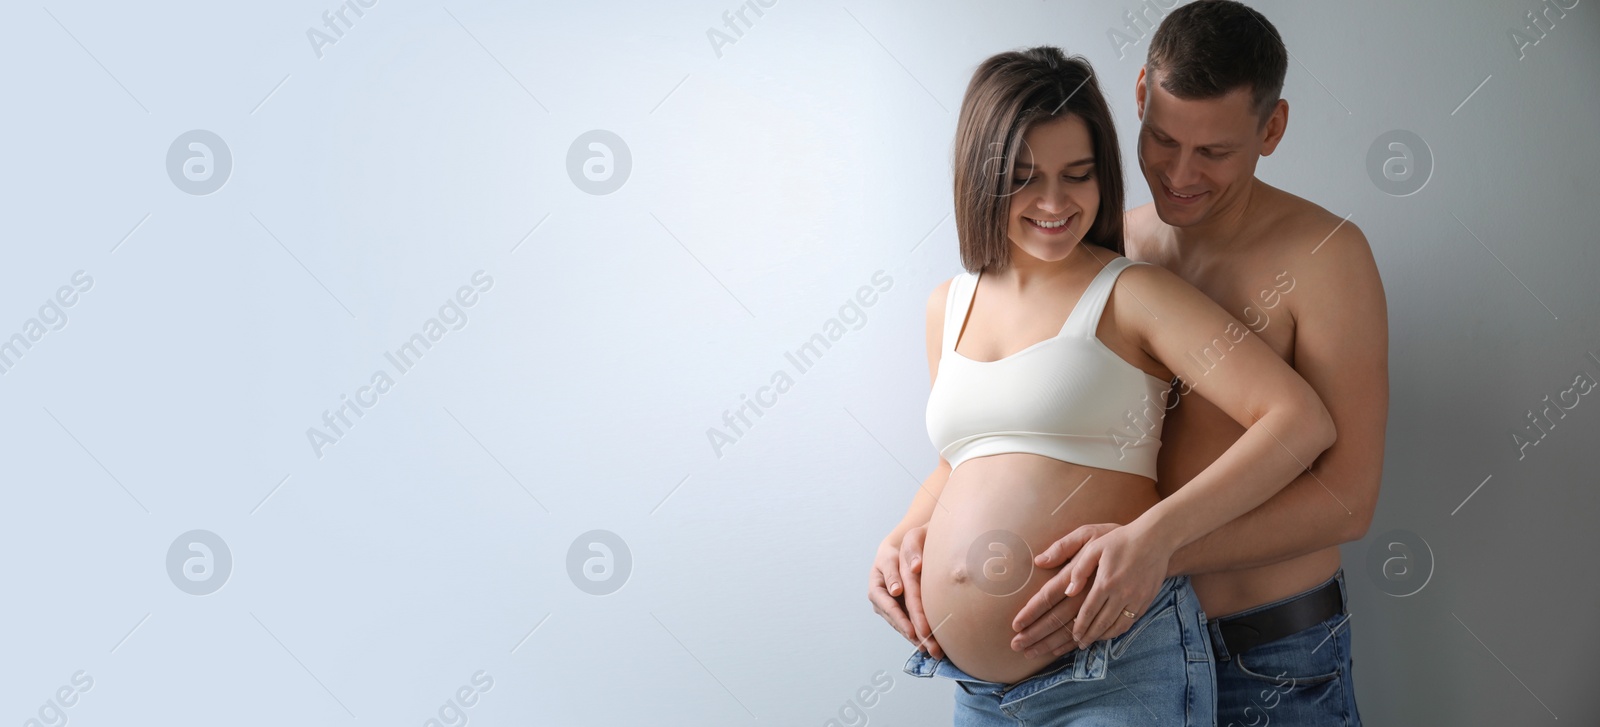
911,567
1045,623
1128,564
894,587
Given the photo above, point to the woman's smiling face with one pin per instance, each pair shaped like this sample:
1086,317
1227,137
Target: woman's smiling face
1054,191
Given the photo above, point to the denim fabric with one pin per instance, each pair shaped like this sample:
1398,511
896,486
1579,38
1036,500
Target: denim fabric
1304,678
1158,672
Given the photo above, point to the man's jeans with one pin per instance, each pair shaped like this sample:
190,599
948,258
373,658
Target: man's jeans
1301,679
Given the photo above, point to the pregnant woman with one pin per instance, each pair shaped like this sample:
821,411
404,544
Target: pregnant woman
1051,359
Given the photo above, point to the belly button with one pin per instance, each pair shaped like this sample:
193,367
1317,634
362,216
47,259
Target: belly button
958,574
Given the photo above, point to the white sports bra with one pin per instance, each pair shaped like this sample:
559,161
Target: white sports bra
1069,397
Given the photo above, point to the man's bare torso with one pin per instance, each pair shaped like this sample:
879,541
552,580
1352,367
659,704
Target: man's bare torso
1253,277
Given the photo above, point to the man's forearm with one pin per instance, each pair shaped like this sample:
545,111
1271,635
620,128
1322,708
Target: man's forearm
1304,517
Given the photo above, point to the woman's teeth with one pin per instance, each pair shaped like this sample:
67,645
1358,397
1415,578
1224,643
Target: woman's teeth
1047,225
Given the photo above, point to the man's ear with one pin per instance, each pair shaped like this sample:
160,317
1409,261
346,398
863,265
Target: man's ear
1277,123
1138,93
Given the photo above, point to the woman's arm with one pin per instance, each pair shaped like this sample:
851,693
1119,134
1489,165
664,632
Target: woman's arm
1341,348
893,572
927,497
1287,427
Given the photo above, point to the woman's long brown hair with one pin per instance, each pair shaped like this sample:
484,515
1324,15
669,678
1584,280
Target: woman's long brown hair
1008,94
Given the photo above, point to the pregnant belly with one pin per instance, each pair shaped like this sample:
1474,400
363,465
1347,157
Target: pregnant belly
996,513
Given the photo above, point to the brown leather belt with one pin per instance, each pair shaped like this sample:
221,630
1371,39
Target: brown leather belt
1242,633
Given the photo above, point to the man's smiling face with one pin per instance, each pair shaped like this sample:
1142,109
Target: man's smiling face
1197,154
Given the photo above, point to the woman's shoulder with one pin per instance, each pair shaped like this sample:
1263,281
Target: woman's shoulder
1141,274
1154,286
942,298
942,291
939,298
1147,273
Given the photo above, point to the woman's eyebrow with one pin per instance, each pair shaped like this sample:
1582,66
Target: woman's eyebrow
1078,163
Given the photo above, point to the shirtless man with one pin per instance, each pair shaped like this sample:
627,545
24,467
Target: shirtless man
1302,279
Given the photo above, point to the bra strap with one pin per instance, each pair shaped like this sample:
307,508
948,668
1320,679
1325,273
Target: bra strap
1085,317
957,302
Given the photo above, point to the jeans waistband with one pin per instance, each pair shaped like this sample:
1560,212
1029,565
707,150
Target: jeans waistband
1284,613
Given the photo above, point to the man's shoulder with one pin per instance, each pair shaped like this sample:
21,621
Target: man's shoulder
1304,227
1327,251
1308,241
1142,214
1140,226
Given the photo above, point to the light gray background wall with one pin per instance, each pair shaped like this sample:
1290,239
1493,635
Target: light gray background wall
769,178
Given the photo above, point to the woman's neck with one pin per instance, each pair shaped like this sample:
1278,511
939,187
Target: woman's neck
1026,272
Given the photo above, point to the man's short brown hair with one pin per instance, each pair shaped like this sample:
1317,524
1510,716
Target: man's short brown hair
1208,48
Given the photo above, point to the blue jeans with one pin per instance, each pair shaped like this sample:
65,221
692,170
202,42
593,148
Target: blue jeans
1158,672
1303,678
